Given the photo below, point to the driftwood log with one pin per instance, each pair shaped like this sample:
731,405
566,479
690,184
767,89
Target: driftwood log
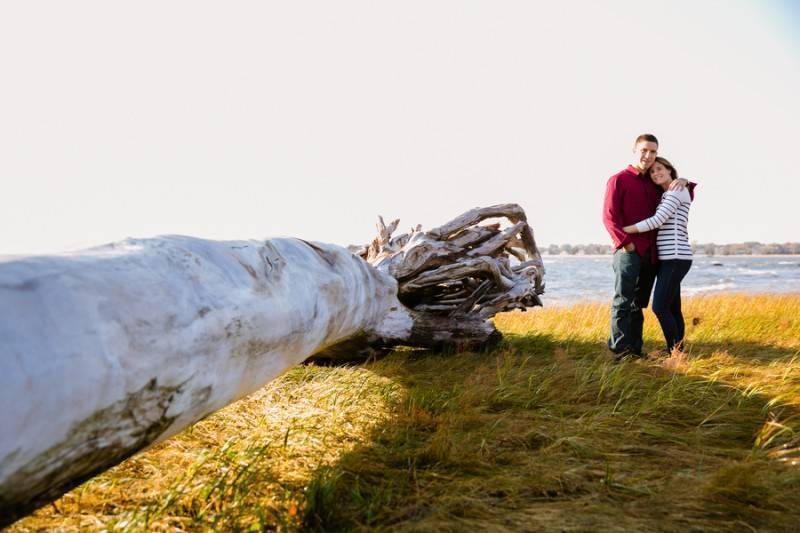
107,351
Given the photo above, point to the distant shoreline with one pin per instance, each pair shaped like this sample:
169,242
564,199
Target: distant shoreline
695,255
709,249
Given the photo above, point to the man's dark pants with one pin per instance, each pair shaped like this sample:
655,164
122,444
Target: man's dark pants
633,282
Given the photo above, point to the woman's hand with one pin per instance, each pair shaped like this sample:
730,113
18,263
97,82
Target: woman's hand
678,184
630,229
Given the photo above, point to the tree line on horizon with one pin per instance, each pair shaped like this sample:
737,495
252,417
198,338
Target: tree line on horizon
709,249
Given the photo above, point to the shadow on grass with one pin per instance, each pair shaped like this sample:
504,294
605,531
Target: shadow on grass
548,434
542,433
750,352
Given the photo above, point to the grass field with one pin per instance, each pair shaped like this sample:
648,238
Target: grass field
543,433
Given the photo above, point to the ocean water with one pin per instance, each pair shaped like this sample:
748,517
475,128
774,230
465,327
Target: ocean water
572,279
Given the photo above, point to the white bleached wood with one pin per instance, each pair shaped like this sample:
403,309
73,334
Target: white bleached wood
109,350
461,268
106,351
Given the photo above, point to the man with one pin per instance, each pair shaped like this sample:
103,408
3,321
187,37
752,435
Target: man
631,197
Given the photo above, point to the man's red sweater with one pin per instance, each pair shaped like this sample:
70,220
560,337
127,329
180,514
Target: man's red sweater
630,198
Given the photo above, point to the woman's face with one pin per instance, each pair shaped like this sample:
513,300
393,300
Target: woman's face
660,174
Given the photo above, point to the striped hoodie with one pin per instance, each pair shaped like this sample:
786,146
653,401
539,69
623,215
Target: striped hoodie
671,220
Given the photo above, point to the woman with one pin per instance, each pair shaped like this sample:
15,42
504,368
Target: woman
674,251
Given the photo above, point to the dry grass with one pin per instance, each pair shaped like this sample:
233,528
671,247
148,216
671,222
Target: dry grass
543,433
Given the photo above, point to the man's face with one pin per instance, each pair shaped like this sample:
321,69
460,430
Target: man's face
644,154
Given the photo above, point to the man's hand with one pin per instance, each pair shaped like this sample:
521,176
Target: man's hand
678,184
630,247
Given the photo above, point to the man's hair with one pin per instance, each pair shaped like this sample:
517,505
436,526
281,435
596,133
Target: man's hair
646,137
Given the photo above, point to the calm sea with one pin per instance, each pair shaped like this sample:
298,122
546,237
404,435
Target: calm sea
571,279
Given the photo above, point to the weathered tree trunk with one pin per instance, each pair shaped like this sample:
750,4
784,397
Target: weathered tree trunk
107,351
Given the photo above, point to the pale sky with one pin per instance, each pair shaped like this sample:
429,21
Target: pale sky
238,120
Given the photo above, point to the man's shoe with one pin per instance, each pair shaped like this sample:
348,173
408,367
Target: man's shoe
627,354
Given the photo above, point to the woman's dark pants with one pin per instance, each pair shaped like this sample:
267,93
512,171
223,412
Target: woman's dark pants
633,281
667,300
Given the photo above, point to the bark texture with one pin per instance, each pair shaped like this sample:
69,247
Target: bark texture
455,277
107,351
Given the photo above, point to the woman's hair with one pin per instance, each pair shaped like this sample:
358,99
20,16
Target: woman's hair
670,167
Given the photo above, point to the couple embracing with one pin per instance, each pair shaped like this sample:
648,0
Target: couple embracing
646,212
